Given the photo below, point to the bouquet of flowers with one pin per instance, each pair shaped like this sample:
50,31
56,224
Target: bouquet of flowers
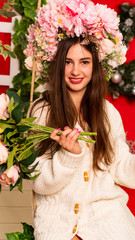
17,151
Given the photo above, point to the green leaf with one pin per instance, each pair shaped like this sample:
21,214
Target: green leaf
30,13
22,128
16,25
24,104
3,168
6,7
10,120
27,229
17,114
5,54
19,92
11,133
1,49
2,13
28,233
16,184
14,95
11,54
3,126
23,168
29,120
29,160
11,157
13,236
27,80
30,4
31,170
20,185
11,2
27,151
33,178
10,14
7,46
11,105
27,170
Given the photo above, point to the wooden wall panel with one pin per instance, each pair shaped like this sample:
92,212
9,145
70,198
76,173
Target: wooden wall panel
15,207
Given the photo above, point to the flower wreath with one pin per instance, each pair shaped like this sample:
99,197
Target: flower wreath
64,19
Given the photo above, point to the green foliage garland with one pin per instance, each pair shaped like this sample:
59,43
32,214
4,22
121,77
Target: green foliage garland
127,21
127,71
27,9
6,11
127,84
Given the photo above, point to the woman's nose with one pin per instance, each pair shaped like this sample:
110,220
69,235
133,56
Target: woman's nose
75,69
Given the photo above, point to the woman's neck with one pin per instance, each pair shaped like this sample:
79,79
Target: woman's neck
76,98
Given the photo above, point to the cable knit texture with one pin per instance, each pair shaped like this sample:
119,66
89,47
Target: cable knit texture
72,200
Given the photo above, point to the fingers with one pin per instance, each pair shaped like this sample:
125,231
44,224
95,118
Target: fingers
54,135
67,139
67,136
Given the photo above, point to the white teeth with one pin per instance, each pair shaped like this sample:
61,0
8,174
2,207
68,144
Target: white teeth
76,79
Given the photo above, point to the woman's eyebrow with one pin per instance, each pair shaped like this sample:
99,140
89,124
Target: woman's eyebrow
80,58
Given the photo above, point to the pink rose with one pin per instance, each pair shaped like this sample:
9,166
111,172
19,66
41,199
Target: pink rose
10,176
4,101
106,47
3,154
29,62
107,18
29,50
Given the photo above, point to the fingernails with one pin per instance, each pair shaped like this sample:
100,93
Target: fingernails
58,129
79,131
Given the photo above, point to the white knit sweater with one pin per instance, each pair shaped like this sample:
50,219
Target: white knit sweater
72,200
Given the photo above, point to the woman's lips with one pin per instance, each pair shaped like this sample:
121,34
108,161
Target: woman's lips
76,80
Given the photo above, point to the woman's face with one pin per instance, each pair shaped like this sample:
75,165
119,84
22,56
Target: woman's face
78,69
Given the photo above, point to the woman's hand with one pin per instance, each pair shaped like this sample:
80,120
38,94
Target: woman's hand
67,139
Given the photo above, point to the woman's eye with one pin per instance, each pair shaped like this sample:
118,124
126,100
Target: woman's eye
68,62
85,62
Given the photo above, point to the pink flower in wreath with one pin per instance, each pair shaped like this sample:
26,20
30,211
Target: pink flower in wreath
3,154
10,176
29,50
31,31
78,6
4,101
107,18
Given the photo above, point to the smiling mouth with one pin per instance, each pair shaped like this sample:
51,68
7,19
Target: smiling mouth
76,80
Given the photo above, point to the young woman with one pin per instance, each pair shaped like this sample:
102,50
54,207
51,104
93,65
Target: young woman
77,192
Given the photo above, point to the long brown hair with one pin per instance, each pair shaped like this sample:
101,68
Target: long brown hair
62,111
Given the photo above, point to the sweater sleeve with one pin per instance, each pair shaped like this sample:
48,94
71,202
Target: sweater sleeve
123,166
57,172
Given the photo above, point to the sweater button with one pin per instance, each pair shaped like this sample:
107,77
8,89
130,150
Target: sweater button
76,210
87,144
86,176
75,228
